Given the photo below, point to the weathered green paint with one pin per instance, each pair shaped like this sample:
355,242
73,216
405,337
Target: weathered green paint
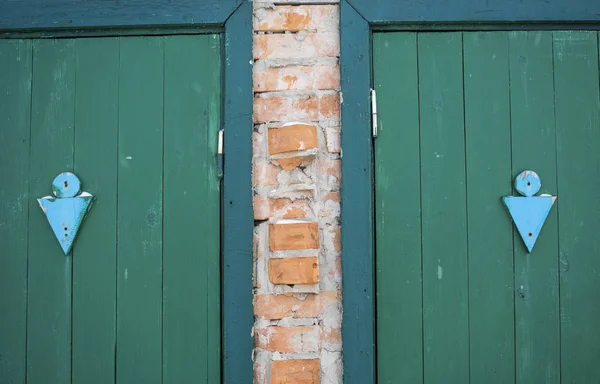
443,209
15,114
491,311
395,67
489,176
138,299
94,256
477,12
238,224
191,205
358,328
233,21
140,210
534,147
577,111
49,274
61,14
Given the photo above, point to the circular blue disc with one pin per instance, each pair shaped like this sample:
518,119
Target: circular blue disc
528,183
66,185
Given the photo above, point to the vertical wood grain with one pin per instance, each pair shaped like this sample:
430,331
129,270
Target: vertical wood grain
140,211
50,271
191,284
398,210
534,147
489,176
444,210
578,145
15,115
94,252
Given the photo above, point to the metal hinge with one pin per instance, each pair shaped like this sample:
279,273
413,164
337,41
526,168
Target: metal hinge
220,155
374,112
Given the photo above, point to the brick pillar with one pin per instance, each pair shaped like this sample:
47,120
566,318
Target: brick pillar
297,276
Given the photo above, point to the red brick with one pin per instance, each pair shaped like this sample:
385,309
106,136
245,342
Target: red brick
293,236
296,18
297,78
296,137
329,107
295,46
296,372
303,108
275,307
277,108
294,270
265,174
289,339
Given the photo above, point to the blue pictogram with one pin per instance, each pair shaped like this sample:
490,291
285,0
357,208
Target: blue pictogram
67,210
529,212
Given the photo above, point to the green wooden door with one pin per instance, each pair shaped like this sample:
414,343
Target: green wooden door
137,301
459,299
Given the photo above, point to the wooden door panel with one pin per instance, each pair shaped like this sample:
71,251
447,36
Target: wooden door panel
458,296
138,300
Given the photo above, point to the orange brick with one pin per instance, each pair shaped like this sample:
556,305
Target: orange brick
296,137
277,108
293,236
289,164
282,208
297,78
289,339
265,174
329,107
294,270
289,46
296,372
287,209
276,307
296,18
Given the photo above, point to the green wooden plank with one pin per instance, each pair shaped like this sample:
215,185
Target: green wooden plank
139,249
443,200
398,210
237,222
49,278
94,252
489,176
578,142
358,285
191,211
533,147
15,114
213,209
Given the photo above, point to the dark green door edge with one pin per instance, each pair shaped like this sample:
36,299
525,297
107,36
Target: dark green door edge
358,19
95,18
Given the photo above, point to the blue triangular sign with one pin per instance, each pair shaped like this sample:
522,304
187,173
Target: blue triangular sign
65,212
65,216
529,215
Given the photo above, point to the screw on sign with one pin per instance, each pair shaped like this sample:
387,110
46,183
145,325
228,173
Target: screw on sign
67,210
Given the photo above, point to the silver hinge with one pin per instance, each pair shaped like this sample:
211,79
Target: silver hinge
374,112
220,154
